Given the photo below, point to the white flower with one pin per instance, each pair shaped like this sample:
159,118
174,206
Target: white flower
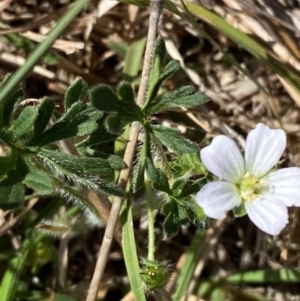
248,182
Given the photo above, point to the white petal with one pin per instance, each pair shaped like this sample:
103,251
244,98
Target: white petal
264,148
284,186
223,158
217,197
269,216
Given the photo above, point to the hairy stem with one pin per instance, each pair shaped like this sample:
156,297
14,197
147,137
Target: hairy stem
155,11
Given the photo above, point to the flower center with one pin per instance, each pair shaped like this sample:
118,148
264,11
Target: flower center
249,187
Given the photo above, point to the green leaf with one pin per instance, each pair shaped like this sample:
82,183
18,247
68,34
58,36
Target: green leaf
11,107
75,174
77,92
40,181
79,120
129,251
150,168
24,122
11,104
108,188
127,96
45,112
183,217
115,161
100,135
158,58
11,192
116,122
133,59
183,97
104,99
8,162
173,140
123,110
189,188
139,170
188,165
162,183
170,226
78,165
169,70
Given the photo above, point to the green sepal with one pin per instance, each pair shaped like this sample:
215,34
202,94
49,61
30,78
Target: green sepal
24,122
45,112
154,274
79,120
185,97
78,165
172,139
240,210
11,191
162,182
77,92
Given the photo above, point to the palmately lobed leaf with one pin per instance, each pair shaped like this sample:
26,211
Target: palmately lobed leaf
79,120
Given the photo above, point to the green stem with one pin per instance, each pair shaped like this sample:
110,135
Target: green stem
151,231
40,51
